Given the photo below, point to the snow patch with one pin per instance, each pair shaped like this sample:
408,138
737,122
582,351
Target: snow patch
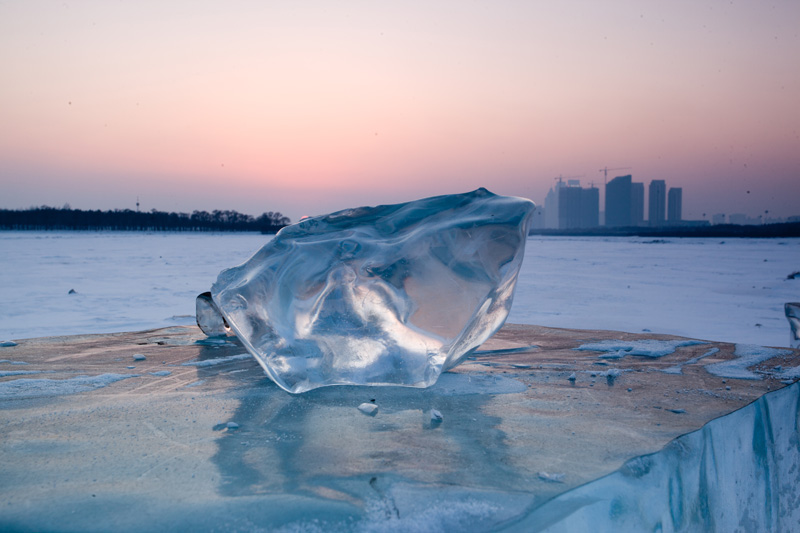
161,373
747,355
33,388
645,348
6,361
790,373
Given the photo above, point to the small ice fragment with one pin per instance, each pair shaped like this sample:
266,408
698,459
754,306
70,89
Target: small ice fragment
552,477
7,344
72,291
369,409
232,425
572,377
728,387
130,367
630,389
611,375
677,411
161,373
208,317
792,310
139,357
436,416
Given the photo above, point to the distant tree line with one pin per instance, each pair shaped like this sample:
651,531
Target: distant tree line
54,218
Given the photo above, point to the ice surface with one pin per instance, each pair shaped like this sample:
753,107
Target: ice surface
680,287
792,310
393,294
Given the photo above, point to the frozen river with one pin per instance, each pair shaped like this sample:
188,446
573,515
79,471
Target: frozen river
725,290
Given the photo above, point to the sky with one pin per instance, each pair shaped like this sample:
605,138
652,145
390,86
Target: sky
309,107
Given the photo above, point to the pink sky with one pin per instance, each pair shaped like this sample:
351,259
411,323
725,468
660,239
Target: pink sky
309,107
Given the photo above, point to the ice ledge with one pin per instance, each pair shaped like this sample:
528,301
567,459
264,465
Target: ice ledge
214,445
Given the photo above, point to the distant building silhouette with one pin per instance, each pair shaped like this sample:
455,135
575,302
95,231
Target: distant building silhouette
618,201
657,202
674,205
578,207
551,206
637,204
718,219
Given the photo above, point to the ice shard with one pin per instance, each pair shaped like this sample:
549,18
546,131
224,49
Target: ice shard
386,295
792,310
208,316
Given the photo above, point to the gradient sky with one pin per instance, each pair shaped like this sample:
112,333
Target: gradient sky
312,106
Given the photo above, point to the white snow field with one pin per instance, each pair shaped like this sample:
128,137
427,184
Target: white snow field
714,289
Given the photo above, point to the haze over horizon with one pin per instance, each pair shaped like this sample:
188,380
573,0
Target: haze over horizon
311,107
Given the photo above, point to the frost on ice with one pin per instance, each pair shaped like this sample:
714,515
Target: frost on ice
386,295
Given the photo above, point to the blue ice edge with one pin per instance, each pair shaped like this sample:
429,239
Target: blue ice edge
739,472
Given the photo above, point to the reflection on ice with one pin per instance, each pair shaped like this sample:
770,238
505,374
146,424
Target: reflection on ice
387,295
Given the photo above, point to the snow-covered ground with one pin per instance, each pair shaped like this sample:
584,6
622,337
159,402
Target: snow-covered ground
726,290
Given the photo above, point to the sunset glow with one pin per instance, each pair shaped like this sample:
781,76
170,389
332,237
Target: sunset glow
313,106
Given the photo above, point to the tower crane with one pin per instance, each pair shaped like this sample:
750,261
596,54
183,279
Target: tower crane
605,170
561,178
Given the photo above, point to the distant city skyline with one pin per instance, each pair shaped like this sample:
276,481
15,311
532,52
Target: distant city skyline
313,107
570,205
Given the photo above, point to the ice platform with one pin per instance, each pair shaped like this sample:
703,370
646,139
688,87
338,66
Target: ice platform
541,430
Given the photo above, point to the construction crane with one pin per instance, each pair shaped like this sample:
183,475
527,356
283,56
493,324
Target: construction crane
605,170
561,178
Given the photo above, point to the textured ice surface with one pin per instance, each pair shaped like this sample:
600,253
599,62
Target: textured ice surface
393,294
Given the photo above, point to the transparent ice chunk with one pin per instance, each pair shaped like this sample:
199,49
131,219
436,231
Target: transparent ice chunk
386,295
208,316
792,310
